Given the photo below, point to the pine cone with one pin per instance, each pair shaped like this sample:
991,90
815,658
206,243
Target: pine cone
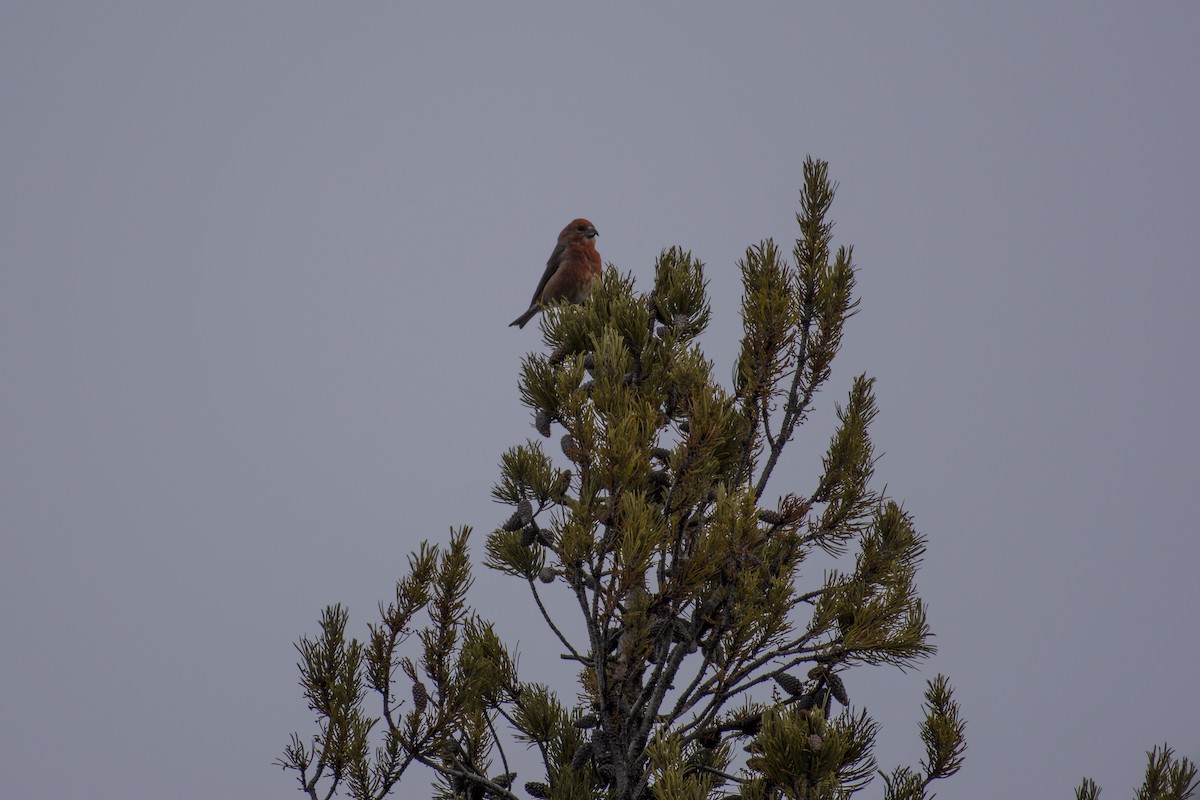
537,789
601,746
542,423
525,509
790,684
837,688
748,725
770,517
420,696
681,631
582,756
571,449
504,781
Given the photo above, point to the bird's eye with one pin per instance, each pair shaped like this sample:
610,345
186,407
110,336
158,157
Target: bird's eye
581,228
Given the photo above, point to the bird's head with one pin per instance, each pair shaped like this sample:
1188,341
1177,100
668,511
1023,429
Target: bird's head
579,230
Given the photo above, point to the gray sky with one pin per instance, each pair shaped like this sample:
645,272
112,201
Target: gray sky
257,260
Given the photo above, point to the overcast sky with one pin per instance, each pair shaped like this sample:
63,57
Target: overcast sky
257,263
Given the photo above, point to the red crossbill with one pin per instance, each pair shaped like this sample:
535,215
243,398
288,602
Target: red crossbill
573,266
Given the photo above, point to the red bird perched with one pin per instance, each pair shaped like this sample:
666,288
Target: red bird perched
570,272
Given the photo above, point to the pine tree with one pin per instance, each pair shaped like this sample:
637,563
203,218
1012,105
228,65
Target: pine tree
712,663
1167,778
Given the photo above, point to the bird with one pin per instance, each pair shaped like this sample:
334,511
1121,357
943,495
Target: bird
571,271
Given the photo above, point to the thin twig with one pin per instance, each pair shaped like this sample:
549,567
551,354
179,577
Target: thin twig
546,615
496,739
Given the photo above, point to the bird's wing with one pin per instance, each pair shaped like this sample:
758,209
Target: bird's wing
551,267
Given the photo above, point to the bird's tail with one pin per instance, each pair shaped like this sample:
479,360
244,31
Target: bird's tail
528,315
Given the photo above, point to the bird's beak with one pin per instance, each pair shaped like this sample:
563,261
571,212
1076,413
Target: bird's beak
594,233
